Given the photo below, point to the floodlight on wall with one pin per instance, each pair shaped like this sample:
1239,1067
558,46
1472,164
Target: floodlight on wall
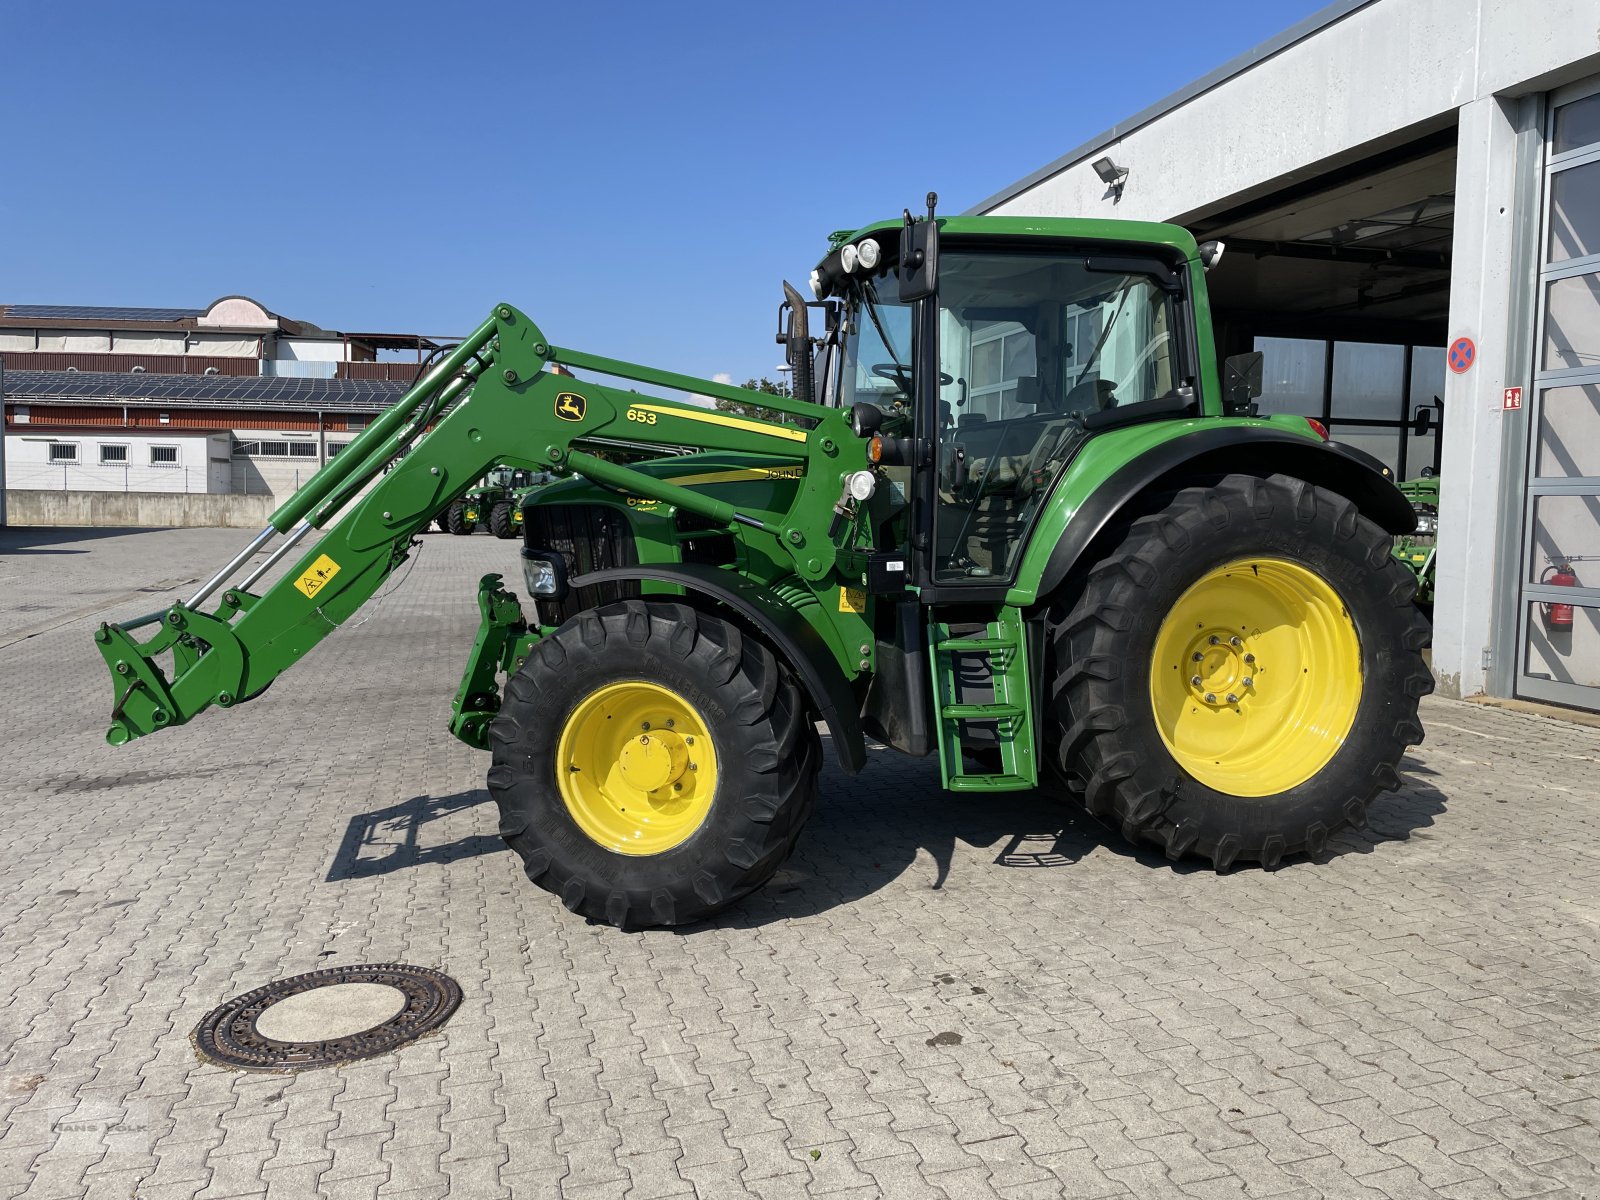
1113,176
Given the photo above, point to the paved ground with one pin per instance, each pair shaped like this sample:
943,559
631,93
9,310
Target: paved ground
939,997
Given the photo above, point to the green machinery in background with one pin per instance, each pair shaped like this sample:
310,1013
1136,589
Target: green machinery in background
1417,549
495,502
1016,515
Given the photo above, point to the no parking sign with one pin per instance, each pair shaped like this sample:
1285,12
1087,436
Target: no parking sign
1462,354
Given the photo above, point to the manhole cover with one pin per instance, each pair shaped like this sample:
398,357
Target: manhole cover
328,1017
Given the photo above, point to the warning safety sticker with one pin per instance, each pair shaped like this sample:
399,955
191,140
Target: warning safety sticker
315,577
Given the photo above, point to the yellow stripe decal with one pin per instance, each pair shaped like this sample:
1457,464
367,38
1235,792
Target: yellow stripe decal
711,418
736,475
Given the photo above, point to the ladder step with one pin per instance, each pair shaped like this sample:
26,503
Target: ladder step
989,783
980,712
973,645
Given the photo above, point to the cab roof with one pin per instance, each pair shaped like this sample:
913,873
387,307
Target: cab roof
1095,229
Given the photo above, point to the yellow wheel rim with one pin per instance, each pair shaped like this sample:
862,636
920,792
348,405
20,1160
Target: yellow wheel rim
1256,677
636,768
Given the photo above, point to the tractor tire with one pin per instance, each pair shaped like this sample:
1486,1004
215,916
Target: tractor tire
500,521
455,519
594,732
1239,677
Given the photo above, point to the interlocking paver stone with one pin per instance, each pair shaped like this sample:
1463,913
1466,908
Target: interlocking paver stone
1417,1014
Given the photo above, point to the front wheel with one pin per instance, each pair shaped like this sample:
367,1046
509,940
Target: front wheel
455,518
1240,676
500,521
652,764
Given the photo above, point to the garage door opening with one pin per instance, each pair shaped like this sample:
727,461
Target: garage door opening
1343,282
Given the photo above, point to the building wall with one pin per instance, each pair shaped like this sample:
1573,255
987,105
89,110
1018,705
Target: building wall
119,461
1388,66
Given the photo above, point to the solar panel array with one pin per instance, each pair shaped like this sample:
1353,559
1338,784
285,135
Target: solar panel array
221,391
78,312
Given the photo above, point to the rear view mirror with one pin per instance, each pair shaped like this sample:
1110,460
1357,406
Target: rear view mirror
1241,382
919,256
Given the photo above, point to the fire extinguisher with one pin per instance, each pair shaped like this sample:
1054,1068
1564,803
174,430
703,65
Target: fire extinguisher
1558,617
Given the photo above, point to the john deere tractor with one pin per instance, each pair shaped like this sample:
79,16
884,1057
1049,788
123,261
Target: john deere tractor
1015,516
494,501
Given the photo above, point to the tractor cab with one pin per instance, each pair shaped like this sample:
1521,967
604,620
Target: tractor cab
988,384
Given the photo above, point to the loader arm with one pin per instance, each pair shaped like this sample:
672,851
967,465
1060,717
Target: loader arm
490,401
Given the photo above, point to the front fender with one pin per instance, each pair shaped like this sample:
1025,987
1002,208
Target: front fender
790,634
1115,470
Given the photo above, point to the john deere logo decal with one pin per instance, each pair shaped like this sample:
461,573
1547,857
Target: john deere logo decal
569,406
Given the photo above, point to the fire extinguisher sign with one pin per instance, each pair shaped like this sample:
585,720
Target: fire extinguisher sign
1512,399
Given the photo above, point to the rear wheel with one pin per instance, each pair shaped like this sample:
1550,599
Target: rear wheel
1240,676
500,521
455,518
652,764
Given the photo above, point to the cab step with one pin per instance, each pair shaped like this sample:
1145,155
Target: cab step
1002,674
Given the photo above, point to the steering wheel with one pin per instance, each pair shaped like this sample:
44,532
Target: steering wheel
901,377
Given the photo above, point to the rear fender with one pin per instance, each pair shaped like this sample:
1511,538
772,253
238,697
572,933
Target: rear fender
1208,453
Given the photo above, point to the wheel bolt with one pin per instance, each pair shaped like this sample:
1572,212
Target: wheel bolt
1211,697
677,787
688,741
1232,699
1198,656
646,725
1249,681
1214,639
1233,641
670,724
694,766
1194,681
1249,658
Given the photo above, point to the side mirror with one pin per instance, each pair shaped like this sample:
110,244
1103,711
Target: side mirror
919,256
1241,383
1422,421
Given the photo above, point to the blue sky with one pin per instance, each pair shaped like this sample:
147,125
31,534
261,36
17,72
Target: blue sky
637,177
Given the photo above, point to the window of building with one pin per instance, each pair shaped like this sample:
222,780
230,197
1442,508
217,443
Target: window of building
63,452
302,449
111,455
335,447
263,449
163,456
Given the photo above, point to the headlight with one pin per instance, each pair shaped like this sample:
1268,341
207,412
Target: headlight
861,484
544,572
816,284
1427,518
847,259
867,254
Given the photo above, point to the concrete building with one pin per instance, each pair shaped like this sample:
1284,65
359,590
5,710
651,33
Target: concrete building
1410,195
99,391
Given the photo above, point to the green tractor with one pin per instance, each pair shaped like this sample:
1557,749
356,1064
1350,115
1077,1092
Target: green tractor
1417,548
1016,516
494,501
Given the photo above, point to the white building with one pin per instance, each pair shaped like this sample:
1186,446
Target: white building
119,460
1394,179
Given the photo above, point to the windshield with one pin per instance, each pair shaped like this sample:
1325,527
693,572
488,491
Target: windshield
877,358
1029,346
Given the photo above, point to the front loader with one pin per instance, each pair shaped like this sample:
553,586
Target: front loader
1015,516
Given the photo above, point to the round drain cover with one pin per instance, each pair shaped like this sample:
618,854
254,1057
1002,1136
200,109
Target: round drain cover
332,1016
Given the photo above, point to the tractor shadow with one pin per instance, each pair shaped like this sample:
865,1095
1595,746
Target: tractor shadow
899,820
391,839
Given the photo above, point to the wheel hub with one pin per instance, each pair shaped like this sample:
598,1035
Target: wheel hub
1224,666
653,760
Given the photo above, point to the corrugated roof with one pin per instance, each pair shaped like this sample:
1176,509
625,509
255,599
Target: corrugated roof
208,391
85,312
